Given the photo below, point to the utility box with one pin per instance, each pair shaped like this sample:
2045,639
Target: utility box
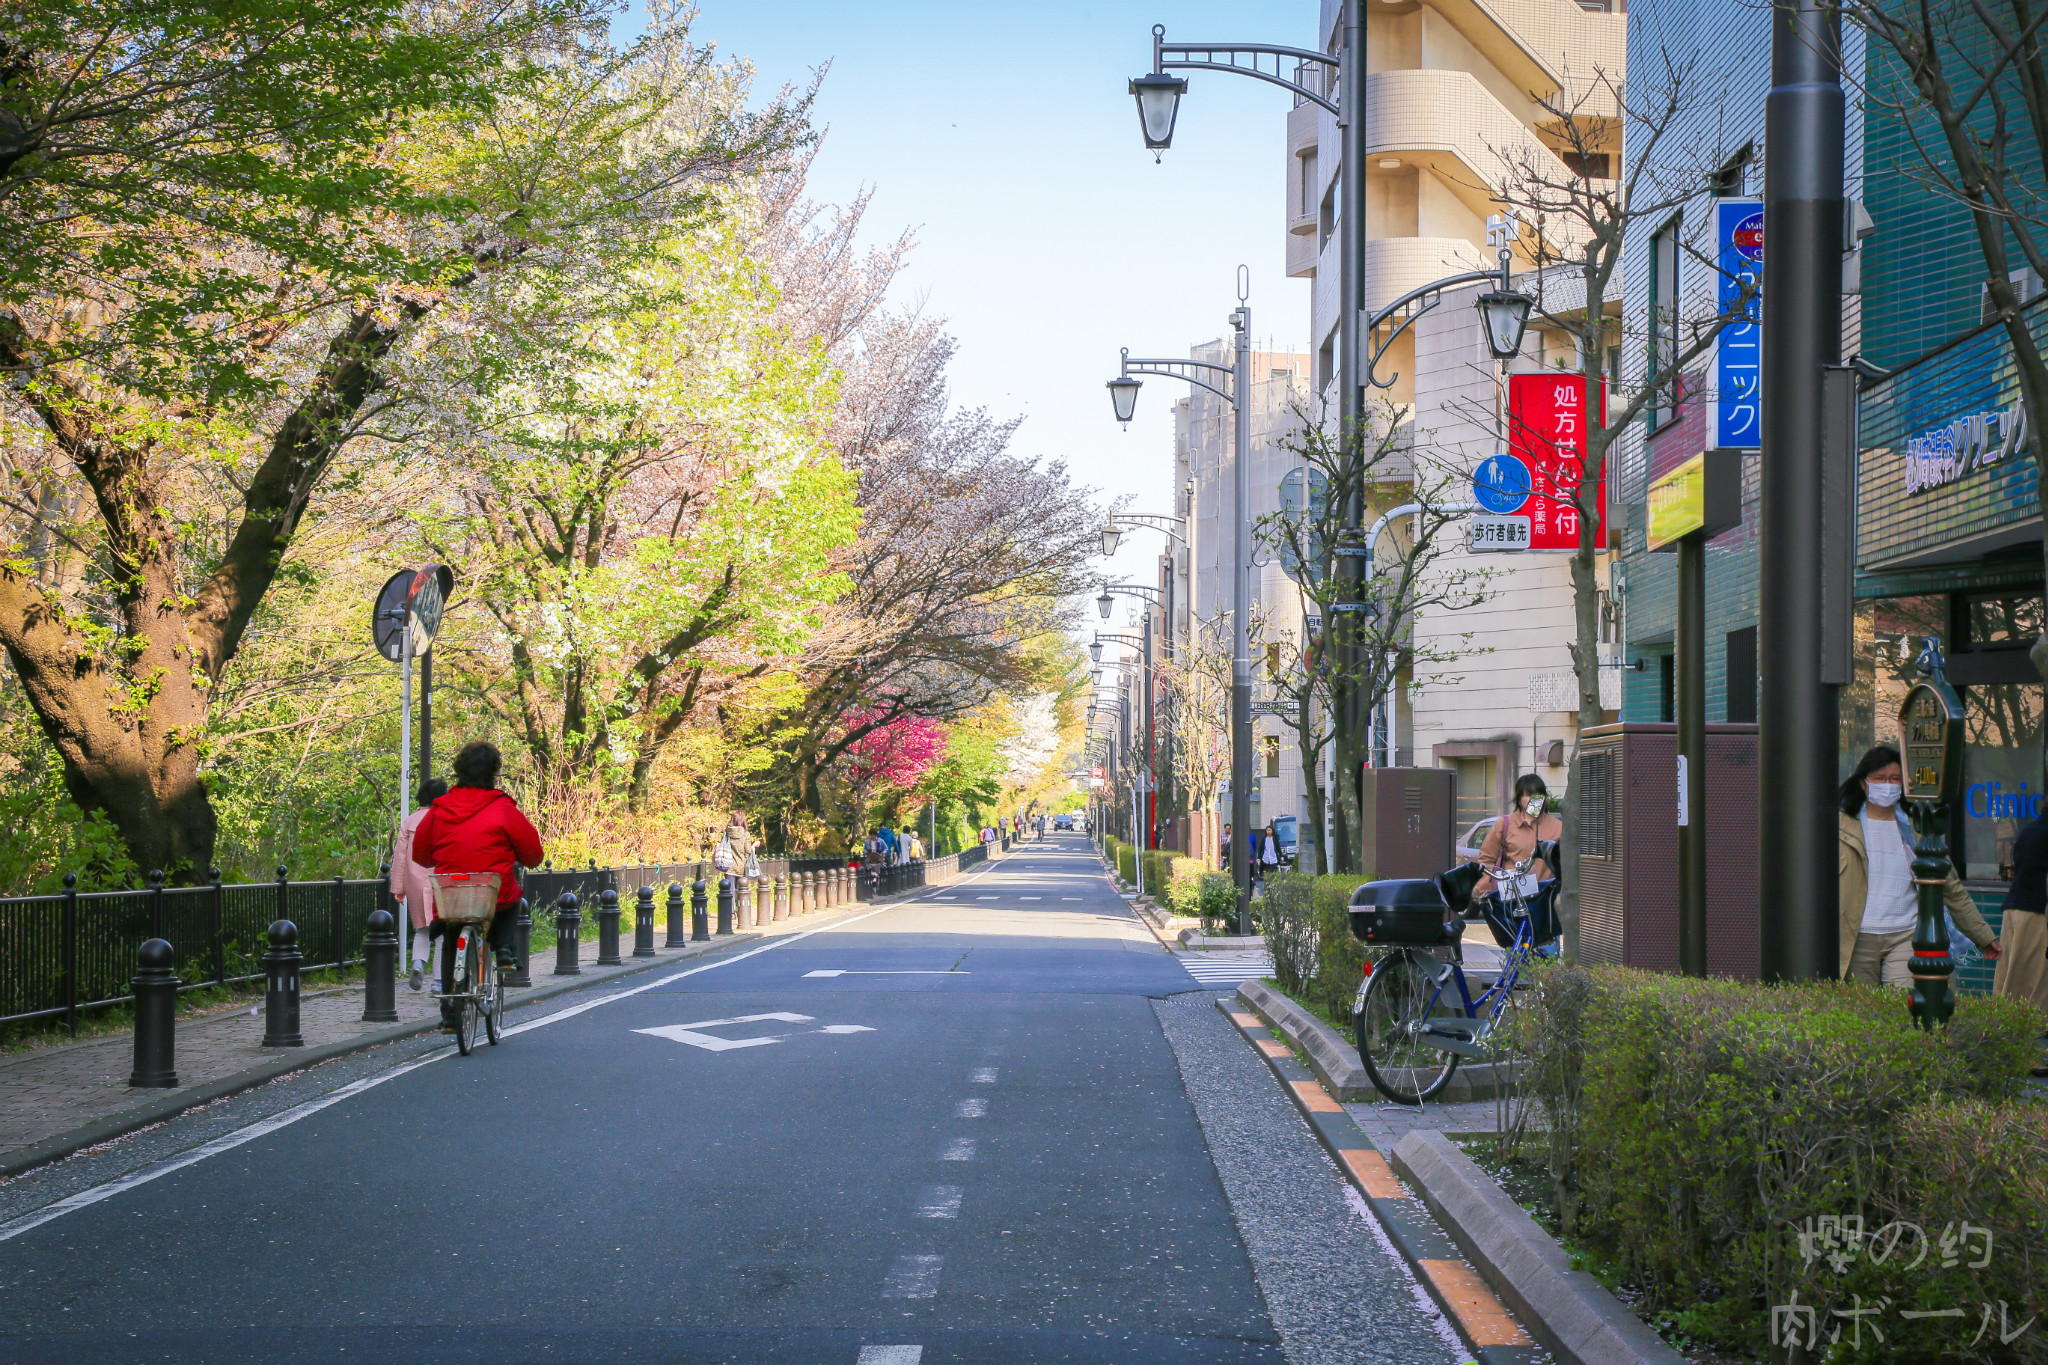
1628,847
1408,822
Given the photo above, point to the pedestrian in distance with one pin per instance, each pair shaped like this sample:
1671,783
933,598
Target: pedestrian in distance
2023,930
413,886
1880,905
1516,833
1224,852
477,828
1269,851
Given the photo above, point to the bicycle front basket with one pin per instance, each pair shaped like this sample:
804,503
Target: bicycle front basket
465,897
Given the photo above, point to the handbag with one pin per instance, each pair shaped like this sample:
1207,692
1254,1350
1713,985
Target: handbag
721,857
753,866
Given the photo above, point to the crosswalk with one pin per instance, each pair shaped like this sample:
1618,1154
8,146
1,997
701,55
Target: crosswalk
1224,967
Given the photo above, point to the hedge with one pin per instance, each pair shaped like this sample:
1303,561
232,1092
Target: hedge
1308,931
1699,1132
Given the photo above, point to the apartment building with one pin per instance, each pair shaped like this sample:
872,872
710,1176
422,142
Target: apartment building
1452,98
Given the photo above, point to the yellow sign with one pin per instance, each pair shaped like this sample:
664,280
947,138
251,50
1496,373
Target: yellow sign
1678,502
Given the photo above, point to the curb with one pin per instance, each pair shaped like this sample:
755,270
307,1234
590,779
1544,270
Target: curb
1482,1319
1567,1310
1195,938
151,1112
1335,1061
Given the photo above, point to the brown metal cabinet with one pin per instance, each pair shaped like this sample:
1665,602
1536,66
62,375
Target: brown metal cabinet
1408,826
1628,847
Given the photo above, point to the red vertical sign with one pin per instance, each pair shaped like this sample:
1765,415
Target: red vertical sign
1547,431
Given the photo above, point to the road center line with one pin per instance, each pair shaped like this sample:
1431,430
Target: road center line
913,1277
940,1201
959,1149
971,1109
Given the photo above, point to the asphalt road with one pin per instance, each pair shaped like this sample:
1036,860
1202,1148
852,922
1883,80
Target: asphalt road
952,1129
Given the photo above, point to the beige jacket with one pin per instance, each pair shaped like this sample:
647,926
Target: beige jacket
1855,884
410,882
1514,837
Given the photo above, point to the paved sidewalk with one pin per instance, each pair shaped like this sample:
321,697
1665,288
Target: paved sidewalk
54,1090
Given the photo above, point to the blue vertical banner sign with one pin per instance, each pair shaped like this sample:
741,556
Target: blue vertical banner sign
1739,350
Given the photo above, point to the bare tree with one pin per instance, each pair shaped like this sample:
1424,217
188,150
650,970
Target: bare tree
1304,674
1195,709
1575,217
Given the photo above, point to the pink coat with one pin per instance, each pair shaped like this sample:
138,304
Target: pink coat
408,879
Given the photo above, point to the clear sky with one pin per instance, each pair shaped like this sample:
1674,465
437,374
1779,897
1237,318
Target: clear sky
1005,137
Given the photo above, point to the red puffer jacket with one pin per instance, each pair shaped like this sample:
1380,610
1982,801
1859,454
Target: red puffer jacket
478,829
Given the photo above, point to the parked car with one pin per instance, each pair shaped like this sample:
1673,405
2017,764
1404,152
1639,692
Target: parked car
1286,831
1468,847
1063,822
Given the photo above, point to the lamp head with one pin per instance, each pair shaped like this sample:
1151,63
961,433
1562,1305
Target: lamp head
1123,397
1105,602
1095,650
1110,535
1158,97
1506,314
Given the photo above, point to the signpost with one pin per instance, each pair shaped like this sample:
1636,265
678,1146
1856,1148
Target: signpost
403,623
1931,726
1737,417
1490,534
1548,412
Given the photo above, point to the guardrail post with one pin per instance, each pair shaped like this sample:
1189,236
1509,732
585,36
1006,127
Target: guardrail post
281,983
608,928
568,936
522,946
725,904
70,931
156,1017
700,924
643,922
676,937
780,899
380,968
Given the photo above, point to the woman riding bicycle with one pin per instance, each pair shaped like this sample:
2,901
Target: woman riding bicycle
477,828
1514,835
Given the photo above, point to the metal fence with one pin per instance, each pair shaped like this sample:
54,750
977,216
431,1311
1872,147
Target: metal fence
64,954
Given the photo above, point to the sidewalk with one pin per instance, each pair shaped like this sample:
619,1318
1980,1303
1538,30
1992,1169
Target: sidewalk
59,1099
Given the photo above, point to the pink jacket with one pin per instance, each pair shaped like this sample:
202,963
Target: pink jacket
408,879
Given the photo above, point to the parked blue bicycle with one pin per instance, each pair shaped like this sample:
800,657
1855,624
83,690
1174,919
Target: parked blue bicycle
1417,1016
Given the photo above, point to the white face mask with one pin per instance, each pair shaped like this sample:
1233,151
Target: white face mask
1533,805
1884,794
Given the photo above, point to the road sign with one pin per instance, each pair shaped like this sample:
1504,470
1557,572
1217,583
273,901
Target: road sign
1501,483
1492,535
1304,496
1548,413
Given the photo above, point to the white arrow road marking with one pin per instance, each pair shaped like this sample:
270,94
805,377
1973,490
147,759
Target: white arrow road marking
841,971
687,1033
844,1028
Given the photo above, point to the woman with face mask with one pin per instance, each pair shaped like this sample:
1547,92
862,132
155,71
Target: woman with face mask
1515,835
1879,902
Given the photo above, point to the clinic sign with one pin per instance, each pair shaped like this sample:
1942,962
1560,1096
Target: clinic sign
1737,417
1541,475
1947,454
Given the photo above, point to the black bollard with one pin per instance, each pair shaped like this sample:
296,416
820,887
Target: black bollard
676,935
700,925
643,923
608,928
281,987
522,947
725,905
380,969
568,936
156,1017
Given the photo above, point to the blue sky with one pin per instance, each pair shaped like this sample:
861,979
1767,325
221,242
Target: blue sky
1004,136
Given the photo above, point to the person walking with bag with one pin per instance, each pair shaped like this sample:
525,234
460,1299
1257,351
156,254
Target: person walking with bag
413,885
2023,931
1880,904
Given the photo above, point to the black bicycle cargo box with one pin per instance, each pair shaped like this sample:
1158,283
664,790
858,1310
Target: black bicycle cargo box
1408,913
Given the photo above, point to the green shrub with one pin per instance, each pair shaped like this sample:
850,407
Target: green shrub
1216,902
1308,931
1697,1129
1183,886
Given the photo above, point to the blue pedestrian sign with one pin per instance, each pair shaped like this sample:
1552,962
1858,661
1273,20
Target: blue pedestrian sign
1501,483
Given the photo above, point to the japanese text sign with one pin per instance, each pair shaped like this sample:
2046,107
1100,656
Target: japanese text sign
1547,419
1739,350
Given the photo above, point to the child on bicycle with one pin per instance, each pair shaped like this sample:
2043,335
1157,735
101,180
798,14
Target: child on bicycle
477,828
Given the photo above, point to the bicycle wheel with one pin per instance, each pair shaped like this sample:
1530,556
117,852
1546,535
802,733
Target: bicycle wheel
466,1008
1399,998
494,998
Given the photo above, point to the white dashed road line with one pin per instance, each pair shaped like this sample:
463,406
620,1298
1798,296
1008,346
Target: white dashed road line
940,1201
913,1277
971,1109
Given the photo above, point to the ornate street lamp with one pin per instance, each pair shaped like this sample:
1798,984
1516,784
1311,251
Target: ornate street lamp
1095,650
1123,396
1158,97
1110,535
1105,602
1506,314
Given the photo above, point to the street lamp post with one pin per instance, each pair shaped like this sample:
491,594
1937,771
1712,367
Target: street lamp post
1124,396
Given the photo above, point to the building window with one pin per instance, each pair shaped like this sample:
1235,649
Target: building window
1326,218
1272,663
1588,165
1663,322
1731,179
1667,688
1306,208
